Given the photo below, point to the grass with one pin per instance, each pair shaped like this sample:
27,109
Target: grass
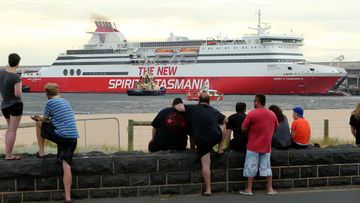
51,148
331,142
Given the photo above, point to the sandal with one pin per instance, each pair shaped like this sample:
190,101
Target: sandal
206,194
13,158
244,192
273,192
37,155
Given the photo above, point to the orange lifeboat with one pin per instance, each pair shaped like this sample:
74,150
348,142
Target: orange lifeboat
189,51
164,52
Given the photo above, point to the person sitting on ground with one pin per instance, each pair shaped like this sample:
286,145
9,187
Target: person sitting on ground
58,125
355,124
300,130
238,143
169,130
11,104
204,120
282,136
260,124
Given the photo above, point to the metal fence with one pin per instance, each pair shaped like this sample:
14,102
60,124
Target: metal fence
100,134
139,132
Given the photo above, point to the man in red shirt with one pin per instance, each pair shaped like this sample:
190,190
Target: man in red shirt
260,124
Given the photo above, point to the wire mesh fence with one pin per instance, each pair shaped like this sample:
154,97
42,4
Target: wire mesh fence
96,134
104,134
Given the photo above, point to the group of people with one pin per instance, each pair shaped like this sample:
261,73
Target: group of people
57,123
255,133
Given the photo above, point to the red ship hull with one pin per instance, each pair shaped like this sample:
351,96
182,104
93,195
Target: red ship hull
227,85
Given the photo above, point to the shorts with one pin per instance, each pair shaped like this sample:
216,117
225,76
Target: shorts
65,146
205,147
257,161
13,110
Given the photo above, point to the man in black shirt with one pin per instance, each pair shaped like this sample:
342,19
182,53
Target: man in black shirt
204,121
238,143
169,130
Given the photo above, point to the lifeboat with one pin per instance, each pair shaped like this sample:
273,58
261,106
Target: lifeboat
189,51
164,52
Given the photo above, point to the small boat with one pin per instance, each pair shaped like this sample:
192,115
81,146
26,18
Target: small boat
145,92
146,87
214,95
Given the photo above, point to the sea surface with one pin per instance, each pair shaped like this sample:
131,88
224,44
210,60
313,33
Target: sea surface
104,103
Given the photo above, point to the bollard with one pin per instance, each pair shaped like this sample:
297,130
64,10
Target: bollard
326,129
130,135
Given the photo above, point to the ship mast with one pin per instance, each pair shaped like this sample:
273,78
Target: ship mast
260,28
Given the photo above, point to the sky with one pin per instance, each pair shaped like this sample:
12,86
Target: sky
39,30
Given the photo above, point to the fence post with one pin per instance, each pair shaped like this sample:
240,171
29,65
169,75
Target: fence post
130,135
85,135
326,129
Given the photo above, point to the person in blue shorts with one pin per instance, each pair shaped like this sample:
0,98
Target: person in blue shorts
58,125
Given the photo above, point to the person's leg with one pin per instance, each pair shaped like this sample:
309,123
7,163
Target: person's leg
224,141
250,169
265,170
40,139
67,179
10,136
205,164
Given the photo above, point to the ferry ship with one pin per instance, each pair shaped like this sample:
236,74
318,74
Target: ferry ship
257,63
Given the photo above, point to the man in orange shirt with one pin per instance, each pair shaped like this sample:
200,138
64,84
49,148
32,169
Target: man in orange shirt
300,129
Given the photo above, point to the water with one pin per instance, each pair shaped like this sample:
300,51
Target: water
97,103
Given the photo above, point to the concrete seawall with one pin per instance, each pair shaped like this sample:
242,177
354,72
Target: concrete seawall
125,174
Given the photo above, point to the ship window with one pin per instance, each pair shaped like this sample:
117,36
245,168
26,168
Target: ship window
72,72
289,68
65,72
312,69
78,72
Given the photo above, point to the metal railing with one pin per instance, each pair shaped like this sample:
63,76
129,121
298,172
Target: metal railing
86,120
84,124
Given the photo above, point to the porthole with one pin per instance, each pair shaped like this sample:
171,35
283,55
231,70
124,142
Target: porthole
78,72
72,72
65,72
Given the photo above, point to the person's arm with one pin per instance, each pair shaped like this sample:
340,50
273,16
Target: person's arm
39,118
226,120
154,130
353,131
18,89
292,133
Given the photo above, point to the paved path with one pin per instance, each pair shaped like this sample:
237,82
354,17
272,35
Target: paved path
346,195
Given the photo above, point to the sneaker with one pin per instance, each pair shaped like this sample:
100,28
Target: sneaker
244,192
274,192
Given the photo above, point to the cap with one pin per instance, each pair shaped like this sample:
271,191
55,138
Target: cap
299,111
